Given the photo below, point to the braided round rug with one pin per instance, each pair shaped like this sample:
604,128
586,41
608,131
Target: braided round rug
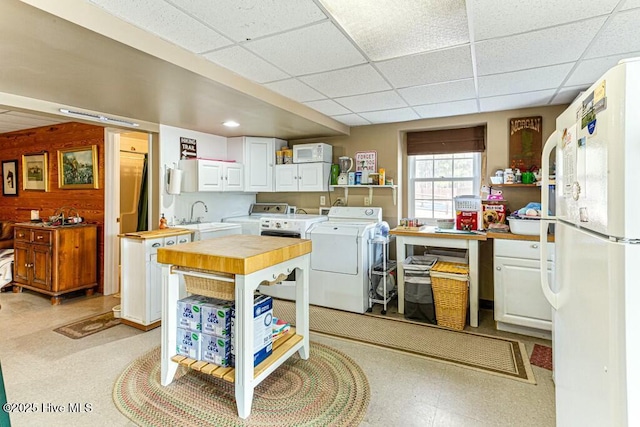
327,389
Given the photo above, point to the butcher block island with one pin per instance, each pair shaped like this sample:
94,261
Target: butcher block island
242,263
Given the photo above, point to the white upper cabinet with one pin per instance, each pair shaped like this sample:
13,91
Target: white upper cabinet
303,177
212,175
258,155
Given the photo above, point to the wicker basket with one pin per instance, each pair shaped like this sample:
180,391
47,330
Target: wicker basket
210,287
449,281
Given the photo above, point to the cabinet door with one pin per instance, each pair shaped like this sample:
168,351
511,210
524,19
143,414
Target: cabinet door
42,267
154,290
518,293
233,177
313,176
286,177
21,261
210,175
259,161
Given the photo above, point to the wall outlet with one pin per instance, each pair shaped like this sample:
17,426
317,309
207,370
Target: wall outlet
323,201
367,201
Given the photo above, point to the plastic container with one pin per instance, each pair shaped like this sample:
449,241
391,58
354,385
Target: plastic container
509,176
467,203
116,311
528,227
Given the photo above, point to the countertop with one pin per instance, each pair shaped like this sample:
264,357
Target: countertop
235,254
480,235
154,234
431,232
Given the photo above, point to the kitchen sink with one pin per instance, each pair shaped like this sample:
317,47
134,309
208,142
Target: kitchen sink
207,230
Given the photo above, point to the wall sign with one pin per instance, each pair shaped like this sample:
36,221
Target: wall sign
366,160
525,142
187,147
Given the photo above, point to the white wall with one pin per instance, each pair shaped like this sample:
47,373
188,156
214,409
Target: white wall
219,205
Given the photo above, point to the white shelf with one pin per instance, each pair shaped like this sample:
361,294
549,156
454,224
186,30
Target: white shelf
370,187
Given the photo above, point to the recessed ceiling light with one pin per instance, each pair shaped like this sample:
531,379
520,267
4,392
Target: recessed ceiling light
231,124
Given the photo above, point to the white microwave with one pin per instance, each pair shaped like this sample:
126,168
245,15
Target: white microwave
312,153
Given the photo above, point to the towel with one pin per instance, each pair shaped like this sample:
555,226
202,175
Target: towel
6,260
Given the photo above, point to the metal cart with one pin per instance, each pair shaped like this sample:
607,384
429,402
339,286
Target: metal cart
379,272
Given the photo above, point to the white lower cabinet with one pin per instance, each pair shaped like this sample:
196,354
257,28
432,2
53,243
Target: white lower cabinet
519,304
141,291
303,177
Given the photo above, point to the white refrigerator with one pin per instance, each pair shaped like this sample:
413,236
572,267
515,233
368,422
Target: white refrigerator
596,296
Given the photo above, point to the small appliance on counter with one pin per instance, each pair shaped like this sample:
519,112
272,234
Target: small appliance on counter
346,164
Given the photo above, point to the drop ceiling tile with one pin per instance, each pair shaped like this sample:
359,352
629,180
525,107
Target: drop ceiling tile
630,4
568,94
311,56
620,35
372,101
245,63
521,16
349,81
166,21
426,25
439,92
243,20
391,116
426,68
457,108
296,90
518,100
589,70
328,107
523,81
536,49
351,120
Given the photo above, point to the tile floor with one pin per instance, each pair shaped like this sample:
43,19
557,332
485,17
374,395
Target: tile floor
42,366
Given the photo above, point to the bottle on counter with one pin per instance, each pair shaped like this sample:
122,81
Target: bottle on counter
163,222
381,176
509,176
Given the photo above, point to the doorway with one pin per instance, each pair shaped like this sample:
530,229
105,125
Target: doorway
125,156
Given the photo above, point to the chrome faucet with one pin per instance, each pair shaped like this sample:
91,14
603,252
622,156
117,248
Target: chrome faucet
193,205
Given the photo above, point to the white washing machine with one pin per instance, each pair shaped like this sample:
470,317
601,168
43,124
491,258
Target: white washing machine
340,258
294,226
251,223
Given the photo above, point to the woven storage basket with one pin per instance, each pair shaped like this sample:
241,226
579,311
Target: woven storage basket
449,281
210,287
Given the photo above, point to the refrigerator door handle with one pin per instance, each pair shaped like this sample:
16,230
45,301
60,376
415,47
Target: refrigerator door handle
551,296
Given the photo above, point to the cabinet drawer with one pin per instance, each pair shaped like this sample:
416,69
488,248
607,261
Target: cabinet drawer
22,235
521,249
40,236
184,238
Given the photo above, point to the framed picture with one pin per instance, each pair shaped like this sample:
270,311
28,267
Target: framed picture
78,167
366,160
35,172
10,178
525,143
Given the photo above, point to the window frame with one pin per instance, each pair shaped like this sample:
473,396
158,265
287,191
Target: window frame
411,180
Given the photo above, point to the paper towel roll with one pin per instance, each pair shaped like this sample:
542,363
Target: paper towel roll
174,181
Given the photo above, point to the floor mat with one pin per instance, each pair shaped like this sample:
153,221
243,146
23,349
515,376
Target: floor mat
328,389
542,356
495,355
89,326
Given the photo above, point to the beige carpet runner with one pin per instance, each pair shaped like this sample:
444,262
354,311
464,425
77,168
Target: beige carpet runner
495,355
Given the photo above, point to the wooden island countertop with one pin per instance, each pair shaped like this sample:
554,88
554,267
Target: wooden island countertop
235,254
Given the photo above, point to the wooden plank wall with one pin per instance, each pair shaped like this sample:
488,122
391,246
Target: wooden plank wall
88,202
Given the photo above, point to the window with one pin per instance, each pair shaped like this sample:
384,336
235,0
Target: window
435,179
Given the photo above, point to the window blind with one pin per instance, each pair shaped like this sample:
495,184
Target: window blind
460,140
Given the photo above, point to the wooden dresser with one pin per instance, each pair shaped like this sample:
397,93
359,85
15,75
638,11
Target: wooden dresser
55,260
